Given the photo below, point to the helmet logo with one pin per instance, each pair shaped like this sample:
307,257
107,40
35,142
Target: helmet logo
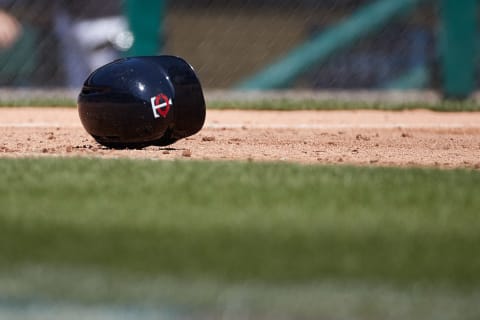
160,105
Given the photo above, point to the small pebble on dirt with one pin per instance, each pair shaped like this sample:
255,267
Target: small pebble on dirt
362,137
69,148
166,152
406,135
187,153
44,150
208,138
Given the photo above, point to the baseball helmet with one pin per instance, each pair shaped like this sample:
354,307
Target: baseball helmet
140,101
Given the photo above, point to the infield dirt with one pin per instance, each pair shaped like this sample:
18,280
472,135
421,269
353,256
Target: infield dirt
375,138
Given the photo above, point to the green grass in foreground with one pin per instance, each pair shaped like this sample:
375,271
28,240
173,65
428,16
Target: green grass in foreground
242,221
283,104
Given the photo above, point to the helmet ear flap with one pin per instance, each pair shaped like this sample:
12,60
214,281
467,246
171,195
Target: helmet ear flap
189,114
140,101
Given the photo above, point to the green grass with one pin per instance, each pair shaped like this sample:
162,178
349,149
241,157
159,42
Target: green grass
39,102
269,223
284,104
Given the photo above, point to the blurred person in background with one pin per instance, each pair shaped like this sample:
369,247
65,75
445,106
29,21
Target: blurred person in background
76,36
91,34
10,30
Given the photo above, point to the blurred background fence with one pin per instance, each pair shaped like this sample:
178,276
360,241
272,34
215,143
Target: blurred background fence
255,44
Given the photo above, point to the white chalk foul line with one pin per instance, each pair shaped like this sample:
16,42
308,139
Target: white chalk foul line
318,126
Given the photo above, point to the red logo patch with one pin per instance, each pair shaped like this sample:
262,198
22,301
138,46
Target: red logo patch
160,105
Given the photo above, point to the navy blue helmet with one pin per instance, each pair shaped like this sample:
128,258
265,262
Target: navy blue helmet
140,101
